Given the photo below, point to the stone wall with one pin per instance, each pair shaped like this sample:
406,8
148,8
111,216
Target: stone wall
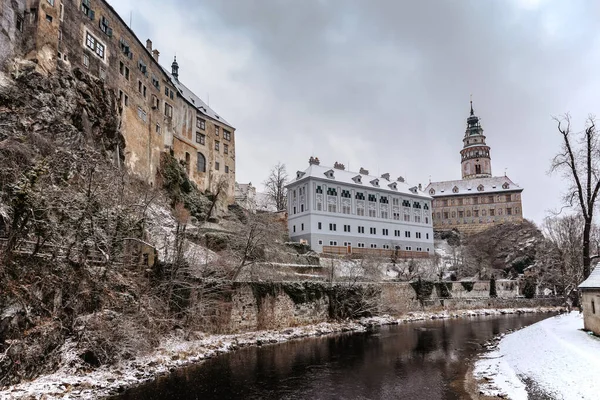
590,302
266,305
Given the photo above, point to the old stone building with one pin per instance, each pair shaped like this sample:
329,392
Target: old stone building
479,200
590,301
159,113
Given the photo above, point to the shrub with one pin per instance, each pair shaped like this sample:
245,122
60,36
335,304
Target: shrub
493,292
529,288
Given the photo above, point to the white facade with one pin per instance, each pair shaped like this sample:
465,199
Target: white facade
334,207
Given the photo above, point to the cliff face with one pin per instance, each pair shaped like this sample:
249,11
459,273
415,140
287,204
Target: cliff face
505,250
64,202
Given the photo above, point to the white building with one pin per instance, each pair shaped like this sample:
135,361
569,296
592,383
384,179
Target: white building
332,207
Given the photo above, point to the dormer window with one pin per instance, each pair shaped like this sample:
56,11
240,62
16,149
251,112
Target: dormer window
432,191
480,188
375,182
357,179
299,174
393,186
455,189
505,186
330,174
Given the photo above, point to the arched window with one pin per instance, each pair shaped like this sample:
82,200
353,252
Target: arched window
478,169
201,162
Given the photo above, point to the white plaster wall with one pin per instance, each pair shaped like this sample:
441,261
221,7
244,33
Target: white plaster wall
310,217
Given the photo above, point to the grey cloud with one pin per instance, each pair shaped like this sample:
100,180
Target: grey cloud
385,84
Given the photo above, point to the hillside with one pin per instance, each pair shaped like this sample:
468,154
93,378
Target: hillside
96,265
504,250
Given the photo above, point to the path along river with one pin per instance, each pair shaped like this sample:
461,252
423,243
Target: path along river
421,360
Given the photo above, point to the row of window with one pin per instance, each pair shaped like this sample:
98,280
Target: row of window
476,213
473,200
201,164
201,139
201,124
361,229
373,246
371,197
360,211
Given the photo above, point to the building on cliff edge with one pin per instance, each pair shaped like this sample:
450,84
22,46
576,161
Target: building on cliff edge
479,200
158,112
341,212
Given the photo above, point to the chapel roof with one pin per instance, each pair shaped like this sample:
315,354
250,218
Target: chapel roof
593,281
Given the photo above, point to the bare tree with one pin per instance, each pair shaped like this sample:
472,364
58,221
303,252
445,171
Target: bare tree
219,190
561,266
579,163
275,186
248,245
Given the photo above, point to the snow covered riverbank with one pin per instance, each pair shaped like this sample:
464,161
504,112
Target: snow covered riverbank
74,380
553,357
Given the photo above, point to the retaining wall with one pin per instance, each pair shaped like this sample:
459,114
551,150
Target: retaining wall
276,305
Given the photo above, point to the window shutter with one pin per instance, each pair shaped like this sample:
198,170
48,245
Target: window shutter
109,32
92,14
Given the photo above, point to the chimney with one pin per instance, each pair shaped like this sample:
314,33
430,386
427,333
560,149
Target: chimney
314,161
149,45
340,166
420,188
363,171
155,54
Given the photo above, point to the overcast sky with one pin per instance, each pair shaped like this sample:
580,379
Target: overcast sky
385,84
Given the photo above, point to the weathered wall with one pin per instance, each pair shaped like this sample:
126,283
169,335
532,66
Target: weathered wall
254,309
279,305
12,17
473,213
154,111
591,312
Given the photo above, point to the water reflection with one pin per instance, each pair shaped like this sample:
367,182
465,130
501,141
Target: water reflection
411,361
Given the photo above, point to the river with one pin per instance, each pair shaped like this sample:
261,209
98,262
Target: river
421,360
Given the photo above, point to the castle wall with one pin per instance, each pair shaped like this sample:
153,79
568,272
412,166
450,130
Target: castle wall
472,213
91,36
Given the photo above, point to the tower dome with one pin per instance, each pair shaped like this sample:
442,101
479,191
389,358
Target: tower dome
475,155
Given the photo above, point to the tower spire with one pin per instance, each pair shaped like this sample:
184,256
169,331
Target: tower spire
472,113
175,69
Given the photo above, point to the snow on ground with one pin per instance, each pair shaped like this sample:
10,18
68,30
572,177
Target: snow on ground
555,354
175,351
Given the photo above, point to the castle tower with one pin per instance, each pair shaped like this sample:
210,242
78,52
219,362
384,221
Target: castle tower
475,155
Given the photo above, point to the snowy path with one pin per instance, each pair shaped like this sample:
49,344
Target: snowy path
561,359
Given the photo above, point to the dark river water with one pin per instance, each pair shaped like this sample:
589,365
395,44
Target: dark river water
422,360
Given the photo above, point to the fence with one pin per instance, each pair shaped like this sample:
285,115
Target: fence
134,252
343,250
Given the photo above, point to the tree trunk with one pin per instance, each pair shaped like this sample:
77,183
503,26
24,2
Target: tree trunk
586,248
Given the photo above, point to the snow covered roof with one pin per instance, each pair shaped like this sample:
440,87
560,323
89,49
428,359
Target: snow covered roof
201,106
593,281
359,180
495,184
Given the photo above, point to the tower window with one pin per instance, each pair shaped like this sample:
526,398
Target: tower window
478,169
